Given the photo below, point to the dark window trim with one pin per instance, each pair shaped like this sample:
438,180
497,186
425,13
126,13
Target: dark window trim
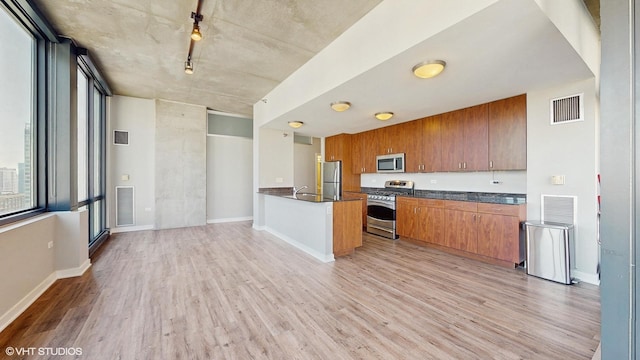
22,215
31,16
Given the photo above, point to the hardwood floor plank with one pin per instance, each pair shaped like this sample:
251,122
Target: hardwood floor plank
227,291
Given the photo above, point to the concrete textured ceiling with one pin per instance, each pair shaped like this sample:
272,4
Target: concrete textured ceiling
249,46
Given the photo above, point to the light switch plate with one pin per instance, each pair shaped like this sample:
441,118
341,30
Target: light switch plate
557,180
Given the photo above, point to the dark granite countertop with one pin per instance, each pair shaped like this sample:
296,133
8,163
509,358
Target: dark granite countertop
492,198
288,193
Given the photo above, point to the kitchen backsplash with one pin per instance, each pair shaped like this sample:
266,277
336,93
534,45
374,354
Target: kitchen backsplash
482,181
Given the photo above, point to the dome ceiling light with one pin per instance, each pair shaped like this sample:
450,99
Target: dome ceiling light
383,116
428,69
340,106
296,124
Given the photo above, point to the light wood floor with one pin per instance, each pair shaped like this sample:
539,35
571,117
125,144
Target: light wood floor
226,291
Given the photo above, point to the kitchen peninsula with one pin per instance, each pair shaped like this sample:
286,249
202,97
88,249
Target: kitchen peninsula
322,228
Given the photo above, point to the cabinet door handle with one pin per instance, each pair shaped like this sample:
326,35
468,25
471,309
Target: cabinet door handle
459,165
491,163
464,165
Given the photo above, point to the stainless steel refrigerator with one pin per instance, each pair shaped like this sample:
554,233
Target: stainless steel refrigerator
332,180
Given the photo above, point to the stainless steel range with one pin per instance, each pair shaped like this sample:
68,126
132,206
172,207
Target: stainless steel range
381,207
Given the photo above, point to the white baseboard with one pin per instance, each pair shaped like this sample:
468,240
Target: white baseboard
316,254
22,305
131,228
585,277
34,294
227,220
258,227
67,273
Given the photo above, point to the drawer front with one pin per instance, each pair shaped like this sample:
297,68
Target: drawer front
499,209
461,205
435,203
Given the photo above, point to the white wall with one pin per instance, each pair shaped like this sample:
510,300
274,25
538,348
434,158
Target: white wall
304,164
229,178
180,166
571,150
276,158
137,160
28,266
387,30
512,181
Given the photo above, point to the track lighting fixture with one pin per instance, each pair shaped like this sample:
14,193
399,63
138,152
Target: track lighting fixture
196,35
188,66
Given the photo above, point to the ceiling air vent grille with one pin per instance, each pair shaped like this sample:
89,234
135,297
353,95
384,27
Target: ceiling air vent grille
567,109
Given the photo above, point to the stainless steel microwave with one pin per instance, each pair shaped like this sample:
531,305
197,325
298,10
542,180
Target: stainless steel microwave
390,163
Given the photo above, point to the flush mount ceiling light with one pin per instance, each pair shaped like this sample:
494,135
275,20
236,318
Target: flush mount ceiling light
340,106
386,115
295,124
188,66
428,69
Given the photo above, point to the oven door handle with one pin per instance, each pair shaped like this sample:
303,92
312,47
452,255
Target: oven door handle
386,204
379,228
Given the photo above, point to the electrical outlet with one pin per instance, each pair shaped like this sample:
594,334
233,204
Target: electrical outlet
495,182
50,244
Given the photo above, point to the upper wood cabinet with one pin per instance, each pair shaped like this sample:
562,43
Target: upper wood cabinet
508,134
431,144
465,140
364,151
336,148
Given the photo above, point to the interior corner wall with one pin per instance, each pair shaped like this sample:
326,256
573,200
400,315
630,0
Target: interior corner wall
276,158
304,158
566,149
180,165
136,160
229,178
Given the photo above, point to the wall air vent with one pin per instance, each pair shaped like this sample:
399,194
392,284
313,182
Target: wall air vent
559,209
120,137
124,206
567,109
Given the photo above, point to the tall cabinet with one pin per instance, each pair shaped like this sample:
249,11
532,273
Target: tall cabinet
508,133
338,147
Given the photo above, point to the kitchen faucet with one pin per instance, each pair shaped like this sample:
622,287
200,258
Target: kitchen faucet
295,191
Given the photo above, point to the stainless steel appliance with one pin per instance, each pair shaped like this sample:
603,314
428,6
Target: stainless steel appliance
549,250
381,207
332,180
390,163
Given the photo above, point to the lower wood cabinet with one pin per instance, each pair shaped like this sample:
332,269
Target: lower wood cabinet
488,230
348,195
420,219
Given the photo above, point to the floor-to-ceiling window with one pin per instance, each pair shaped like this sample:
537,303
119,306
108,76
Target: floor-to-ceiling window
18,119
91,150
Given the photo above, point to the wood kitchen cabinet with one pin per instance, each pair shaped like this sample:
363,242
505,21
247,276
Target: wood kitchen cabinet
348,195
430,146
508,133
407,217
363,152
465,139
420,219
461,225
488,232
347,227
336,148
499,231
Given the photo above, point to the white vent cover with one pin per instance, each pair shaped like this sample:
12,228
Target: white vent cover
124,206
567,109
559,209
120,137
